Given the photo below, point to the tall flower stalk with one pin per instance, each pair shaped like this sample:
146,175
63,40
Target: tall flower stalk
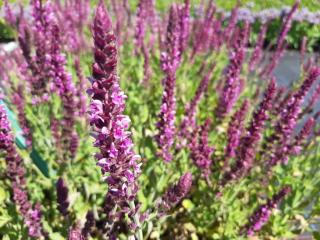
279,140
235,131
188,124
201,151
281,43
249,143
63,85
258,49
232,87
16,174
117,159
261,216
170,61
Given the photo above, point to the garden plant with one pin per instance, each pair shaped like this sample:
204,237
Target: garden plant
123,121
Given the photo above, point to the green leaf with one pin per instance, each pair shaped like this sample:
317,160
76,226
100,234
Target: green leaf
56,236
316,235
187,204
3,195
4,219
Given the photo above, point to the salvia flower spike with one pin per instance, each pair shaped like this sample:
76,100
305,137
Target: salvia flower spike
235,131
249,142
188,123
281,43
261,216
63,85
177,192
170,61
116,157
288,119
62,196
201,151
16,174
232,87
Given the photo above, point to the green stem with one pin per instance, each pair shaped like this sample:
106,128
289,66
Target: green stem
139,233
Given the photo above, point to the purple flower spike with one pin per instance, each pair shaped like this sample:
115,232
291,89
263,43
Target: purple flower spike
140,29
281,43
235,131
261,216
257,52
64,87
147,71
170,61
18,100
90,221
228,32
289,114
249,143
188,124
16,174
232,87
177,192
82,98
9,15
116,158
185,24
201,152
62,196
296,147
75,234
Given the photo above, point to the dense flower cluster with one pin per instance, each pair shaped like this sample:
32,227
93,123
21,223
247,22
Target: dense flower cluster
116,158
269,14
223,151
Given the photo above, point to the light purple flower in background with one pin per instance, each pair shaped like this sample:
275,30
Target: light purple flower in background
203,31
232,87
170,61
185,24
81,86
141,22
258,49
63,85
281,44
